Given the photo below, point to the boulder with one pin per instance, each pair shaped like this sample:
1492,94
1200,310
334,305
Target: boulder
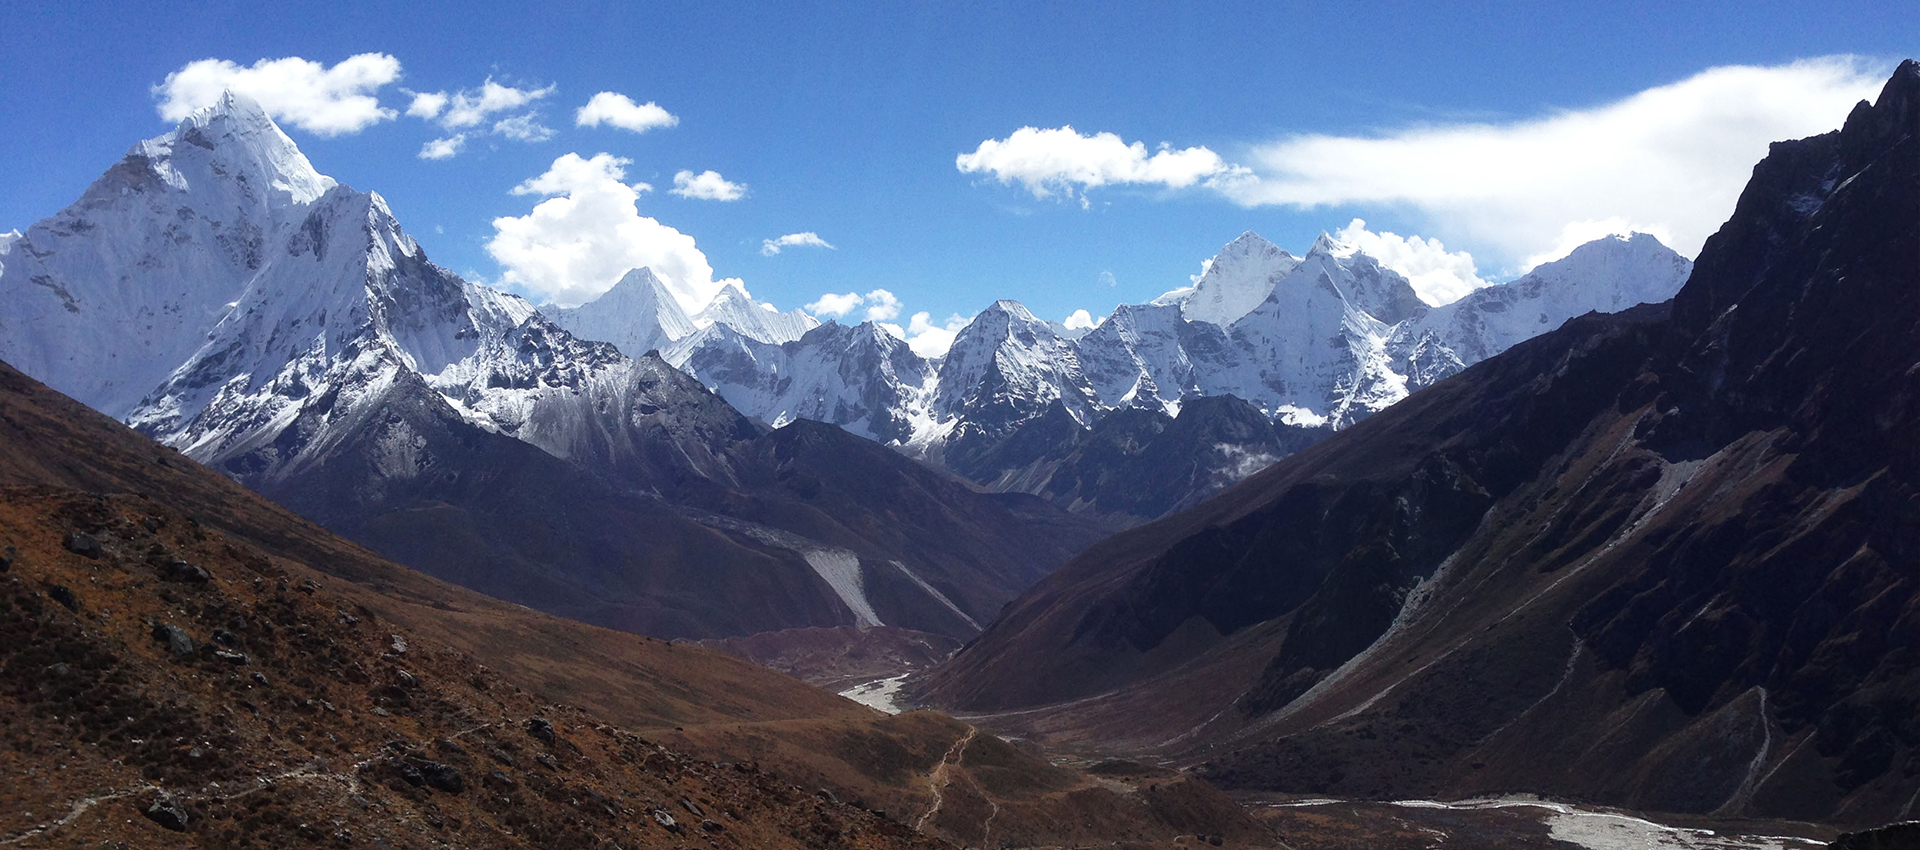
168,813
177,640
541,728
83,544
442,777
181,571
62,594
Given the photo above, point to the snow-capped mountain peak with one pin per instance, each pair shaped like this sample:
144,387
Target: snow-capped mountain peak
1235,282
1326,244
107,296
732,307
637,315
236,140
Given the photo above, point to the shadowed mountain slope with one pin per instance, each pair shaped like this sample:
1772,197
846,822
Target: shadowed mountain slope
1663,558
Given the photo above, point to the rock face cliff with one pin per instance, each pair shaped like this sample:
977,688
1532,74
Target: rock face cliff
1663,558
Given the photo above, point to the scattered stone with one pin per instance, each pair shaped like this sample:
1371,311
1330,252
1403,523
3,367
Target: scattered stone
399,645
547,762
541,728
59,669
61,594
665,820
225,638
259,678
443,777
499,780
83,544
177,640
711,826
692,808
151,524
381,712
309,586
826,795
6,558
237,659
167,813
181,571
406,679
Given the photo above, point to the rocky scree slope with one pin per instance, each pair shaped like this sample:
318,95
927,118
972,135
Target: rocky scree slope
1659,559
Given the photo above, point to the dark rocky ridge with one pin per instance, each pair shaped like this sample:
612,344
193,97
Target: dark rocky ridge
1662,559
1135,464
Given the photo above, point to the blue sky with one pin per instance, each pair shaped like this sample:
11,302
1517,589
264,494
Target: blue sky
845,121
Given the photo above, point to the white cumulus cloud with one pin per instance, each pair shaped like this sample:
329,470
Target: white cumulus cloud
1671,159
426,104
1438,276
707,186
618,110
836,305
772,246
1079,319
1062,161
882,306
443,148
308,95
588,232
930,340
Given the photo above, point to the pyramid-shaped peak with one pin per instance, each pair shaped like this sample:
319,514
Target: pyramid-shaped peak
1012,308
236,132
730,295
1329,246
640,282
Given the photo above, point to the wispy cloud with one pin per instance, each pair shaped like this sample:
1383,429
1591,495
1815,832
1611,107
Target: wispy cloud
443,148
1669,160
808,238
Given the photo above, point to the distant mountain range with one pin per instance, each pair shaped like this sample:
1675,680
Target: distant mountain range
1310,345
219,294
1666,558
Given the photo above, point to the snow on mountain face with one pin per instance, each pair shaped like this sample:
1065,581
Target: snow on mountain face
1008,364
1335,337
1236,281
732,307
1607,275
637,315
861,378
106,297
222,292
